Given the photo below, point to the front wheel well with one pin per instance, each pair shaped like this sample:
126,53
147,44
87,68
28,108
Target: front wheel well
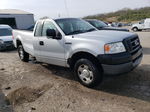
135,27
80,55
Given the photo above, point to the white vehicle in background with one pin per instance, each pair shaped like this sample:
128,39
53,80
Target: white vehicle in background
142,25
6,40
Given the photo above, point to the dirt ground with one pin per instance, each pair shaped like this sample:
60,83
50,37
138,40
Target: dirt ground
36,87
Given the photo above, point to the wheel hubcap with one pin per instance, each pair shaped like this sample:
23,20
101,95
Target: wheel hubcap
135,29
85,74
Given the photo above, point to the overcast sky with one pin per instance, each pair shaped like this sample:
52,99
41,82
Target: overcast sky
76,8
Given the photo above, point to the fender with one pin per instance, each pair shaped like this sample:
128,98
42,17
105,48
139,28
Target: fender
85,47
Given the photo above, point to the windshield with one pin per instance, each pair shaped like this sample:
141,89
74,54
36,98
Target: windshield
74,26
98,24
5,32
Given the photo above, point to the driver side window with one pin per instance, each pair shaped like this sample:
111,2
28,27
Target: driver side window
48,25
142,22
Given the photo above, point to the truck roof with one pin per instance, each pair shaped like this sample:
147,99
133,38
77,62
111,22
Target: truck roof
148,19
56,19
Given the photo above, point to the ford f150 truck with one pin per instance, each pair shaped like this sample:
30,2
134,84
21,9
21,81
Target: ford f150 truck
74,43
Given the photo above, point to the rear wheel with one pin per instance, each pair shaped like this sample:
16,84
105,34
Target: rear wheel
87,73
24,56
139,30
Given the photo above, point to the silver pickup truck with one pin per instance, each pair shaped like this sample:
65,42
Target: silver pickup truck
74,43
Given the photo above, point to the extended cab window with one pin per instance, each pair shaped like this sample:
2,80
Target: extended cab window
48,25
38,30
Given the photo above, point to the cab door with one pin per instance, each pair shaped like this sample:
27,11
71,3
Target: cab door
141,24
37,34
52,51
147,24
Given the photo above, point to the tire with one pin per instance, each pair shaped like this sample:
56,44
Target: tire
135,29
87,73
24,56
139,30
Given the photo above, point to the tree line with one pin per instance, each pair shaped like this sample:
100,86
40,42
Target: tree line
124,15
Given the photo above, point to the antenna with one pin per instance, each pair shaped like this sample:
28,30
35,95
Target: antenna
66,7
59,15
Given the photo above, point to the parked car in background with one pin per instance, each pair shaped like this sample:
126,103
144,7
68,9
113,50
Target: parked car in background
74,43
117,24
103,26
142,25
6,38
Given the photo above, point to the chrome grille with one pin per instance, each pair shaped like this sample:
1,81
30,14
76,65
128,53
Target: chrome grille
132,44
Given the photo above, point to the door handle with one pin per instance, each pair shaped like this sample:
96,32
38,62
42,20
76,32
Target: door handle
41,43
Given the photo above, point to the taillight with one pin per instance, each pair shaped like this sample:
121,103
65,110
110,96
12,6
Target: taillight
12,36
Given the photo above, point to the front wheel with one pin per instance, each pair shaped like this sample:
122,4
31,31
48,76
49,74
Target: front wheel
87,73
135,29
24,56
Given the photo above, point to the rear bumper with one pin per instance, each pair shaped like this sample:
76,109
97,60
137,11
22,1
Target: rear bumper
120,63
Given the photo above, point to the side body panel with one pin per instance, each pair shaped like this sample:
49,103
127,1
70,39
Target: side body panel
26,39
147,24
52,51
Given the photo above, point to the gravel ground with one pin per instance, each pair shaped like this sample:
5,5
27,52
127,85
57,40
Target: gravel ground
36,87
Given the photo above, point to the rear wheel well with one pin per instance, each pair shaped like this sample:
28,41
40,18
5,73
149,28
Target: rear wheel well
18,43
85,55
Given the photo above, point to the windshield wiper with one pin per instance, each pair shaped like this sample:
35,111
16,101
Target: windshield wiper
75,32
92,29
81,31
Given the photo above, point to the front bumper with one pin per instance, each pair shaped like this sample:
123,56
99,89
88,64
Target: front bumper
120,63
6,45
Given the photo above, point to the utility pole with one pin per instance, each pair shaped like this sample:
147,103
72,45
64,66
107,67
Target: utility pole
66,6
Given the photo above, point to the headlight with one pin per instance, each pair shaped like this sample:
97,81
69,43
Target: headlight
1,41
114,48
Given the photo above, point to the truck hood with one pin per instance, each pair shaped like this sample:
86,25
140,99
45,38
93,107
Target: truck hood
106,36
136,24
6,38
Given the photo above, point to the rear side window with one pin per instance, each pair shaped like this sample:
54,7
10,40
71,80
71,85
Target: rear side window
5,32
38,30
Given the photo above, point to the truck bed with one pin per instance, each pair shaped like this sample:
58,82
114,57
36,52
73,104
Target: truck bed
26,37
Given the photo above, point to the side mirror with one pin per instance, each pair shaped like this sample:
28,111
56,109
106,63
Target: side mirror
53,34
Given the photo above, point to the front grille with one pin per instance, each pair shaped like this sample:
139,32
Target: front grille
132,44
8,42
